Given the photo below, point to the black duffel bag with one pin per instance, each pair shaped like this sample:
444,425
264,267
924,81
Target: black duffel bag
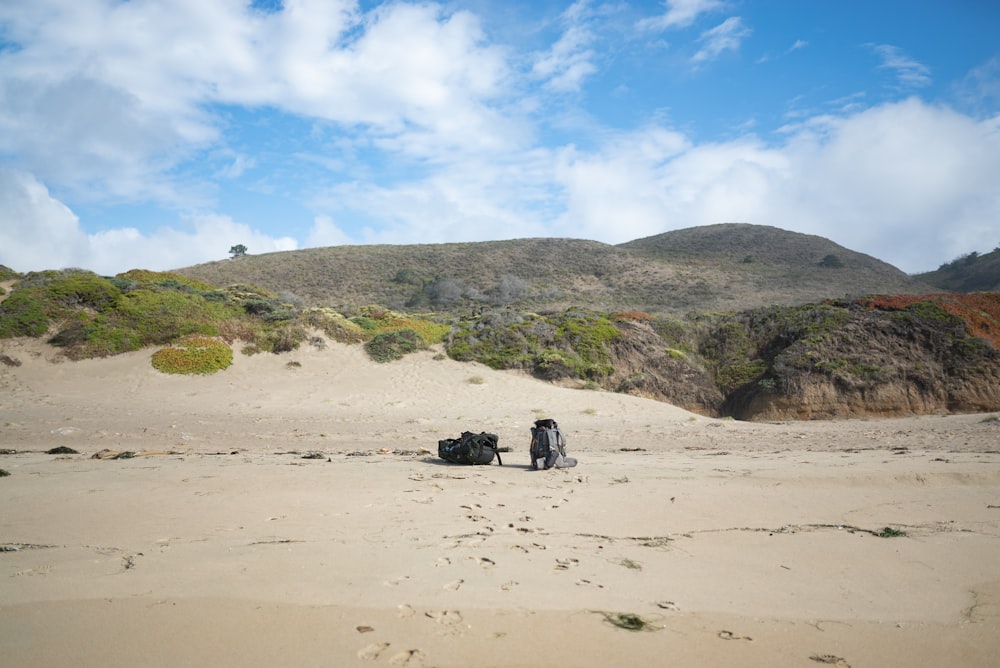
470,448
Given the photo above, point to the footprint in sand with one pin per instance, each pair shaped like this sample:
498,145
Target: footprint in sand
442,561
566,564
445,617
587,583
454,585
372,652
395,581
507,586
487,563
405,611
411,657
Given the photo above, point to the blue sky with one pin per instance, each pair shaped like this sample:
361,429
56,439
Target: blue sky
157,135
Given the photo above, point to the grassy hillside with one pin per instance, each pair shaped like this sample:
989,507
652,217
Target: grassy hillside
876,355
88,316
969,273
737,320
714,268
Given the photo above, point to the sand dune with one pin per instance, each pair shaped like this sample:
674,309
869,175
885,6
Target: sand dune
860,543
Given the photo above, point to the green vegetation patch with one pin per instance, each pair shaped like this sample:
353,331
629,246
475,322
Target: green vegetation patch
194,355
24,313
588,334
165,279
93,316
572,344
627,621
8,274
374,320
765,344
334,324
144,317
390,346
50,299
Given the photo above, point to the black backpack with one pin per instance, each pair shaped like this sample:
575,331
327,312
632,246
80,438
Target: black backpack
470,448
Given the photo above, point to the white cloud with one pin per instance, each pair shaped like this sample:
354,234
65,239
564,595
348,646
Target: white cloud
906,182
122,101
909,73
568,62
37,232
239,164
679,14
325,232
727,36
643,183
470,200
980,88
110,97
90,136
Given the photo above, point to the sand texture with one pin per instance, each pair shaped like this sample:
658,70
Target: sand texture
292,511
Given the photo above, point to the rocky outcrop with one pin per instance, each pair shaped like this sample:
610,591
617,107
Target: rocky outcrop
857,362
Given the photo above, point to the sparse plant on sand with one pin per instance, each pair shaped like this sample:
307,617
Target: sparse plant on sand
631,565
626,620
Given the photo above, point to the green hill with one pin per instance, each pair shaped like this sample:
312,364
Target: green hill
713,268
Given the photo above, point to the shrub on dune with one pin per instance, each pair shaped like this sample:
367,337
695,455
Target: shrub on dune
194,355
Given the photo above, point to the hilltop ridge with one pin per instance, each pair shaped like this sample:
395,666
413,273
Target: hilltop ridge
710,268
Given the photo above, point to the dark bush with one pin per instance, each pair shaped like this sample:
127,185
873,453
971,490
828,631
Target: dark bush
831,262
389,346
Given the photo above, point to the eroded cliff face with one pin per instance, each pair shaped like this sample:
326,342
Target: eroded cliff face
819,361
873,363
820,397
645,366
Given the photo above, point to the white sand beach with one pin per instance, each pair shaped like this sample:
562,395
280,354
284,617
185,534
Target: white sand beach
848,543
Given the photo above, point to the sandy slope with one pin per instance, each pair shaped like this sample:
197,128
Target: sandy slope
737,544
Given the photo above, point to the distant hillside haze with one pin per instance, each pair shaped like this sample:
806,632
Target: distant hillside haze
712,268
